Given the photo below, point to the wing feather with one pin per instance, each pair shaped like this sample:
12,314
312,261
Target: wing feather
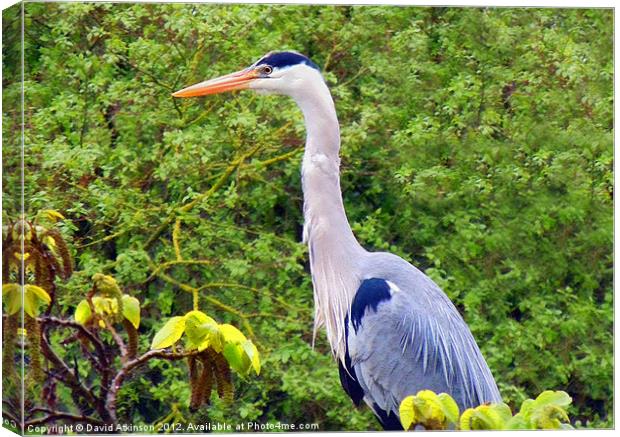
407,343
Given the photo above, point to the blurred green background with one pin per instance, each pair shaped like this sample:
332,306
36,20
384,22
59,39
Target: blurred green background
477,144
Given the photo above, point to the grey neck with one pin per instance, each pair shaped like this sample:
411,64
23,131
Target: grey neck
335,254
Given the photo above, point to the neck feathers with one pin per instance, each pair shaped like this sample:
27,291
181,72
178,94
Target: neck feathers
334,252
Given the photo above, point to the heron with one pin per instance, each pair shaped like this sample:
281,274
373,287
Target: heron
391,329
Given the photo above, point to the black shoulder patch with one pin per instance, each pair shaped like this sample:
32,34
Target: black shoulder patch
369,295
348,378
286,59
389,421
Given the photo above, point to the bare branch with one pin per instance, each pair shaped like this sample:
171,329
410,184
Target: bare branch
129,366
69,378
80,328
53,416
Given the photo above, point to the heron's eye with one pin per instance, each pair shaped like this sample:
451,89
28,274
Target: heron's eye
266,69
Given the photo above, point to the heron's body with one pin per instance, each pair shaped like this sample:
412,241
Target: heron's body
391,328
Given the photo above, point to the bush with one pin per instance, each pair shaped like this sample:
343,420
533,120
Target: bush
477,143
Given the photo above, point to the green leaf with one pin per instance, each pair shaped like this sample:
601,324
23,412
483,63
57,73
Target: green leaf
82,312
503,411
428,407
169,334
39,293
231,334
51,215
518,422
526,408
131,310
549,417
407,413
449,406
105,305
466,419
559,398
201,330
34,297
12,296
483,417
237,358
252,353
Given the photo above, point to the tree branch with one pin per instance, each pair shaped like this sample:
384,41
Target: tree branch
71,380
129,366
201,197
53,416
98,345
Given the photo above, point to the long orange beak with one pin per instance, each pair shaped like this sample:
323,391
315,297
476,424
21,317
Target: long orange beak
234,81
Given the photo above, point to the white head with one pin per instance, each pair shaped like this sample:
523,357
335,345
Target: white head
287,73
333,247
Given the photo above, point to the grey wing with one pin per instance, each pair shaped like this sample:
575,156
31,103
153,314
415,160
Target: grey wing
414,340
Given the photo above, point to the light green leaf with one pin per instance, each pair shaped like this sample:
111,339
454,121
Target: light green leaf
39,293
105,305
237,358
548,397
231,334
503,411
200,329
407,413
428,407
169,334
486,417
449,406
10,288
131,310
51,215
465,423
518,422
252,352
34,297
526,408
12,296
83,313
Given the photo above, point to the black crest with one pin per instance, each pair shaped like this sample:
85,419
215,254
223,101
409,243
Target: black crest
285,59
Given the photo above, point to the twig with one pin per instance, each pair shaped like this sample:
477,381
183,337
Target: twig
283,157
167,264
87,333
201,197
176,233
53,416
118,340
117,382
71,380
216,302
106,238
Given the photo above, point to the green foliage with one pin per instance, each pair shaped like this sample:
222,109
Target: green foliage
476,143
427,410
169,334
105,306
203,333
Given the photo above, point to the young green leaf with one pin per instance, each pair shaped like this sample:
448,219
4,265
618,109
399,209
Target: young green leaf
131,310
169,334
237,358
252,353
407,413
83,312
34,297
231,334
200,329
12,296
449,407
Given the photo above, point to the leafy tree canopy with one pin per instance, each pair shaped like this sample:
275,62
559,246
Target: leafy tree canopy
477,143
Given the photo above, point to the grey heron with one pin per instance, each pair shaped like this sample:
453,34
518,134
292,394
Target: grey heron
392,330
